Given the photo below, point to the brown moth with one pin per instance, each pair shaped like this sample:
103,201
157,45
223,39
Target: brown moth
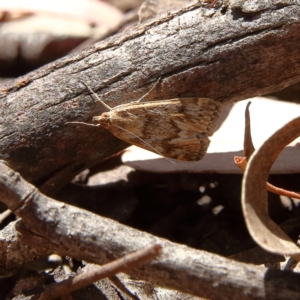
175,128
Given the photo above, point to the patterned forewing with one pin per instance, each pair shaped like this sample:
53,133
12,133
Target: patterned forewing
202,112
176,128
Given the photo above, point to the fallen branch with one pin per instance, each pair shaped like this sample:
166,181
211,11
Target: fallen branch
48,226
221,53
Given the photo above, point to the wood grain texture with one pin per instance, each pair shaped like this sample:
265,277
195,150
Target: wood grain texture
228,54
44,228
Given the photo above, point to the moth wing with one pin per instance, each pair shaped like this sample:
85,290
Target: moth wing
187,149
177,128
202,112
189,131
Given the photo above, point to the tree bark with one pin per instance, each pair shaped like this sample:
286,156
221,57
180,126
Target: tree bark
48,226
239,50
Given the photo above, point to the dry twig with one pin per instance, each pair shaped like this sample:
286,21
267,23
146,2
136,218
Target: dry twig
94,273
45,228
4,215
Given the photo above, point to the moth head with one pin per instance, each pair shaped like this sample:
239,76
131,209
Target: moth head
104,120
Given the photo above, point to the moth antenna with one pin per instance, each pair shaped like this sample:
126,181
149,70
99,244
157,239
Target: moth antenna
83,123
155,150
149,91
97,97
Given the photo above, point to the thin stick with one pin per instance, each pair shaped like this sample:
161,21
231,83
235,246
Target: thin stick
213,3
241,162
276,190
129,261
4,215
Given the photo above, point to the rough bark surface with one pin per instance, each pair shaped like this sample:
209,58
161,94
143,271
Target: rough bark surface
45,225
237,51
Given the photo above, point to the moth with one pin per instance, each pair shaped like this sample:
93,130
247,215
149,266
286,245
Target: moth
175,128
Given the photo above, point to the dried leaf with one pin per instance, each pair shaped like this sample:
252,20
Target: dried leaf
254,194
241,162
248,144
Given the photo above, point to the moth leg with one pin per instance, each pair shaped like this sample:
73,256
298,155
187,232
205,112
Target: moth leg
97,97
154,85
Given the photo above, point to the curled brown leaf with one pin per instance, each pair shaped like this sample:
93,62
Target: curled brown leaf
254,194
241,161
